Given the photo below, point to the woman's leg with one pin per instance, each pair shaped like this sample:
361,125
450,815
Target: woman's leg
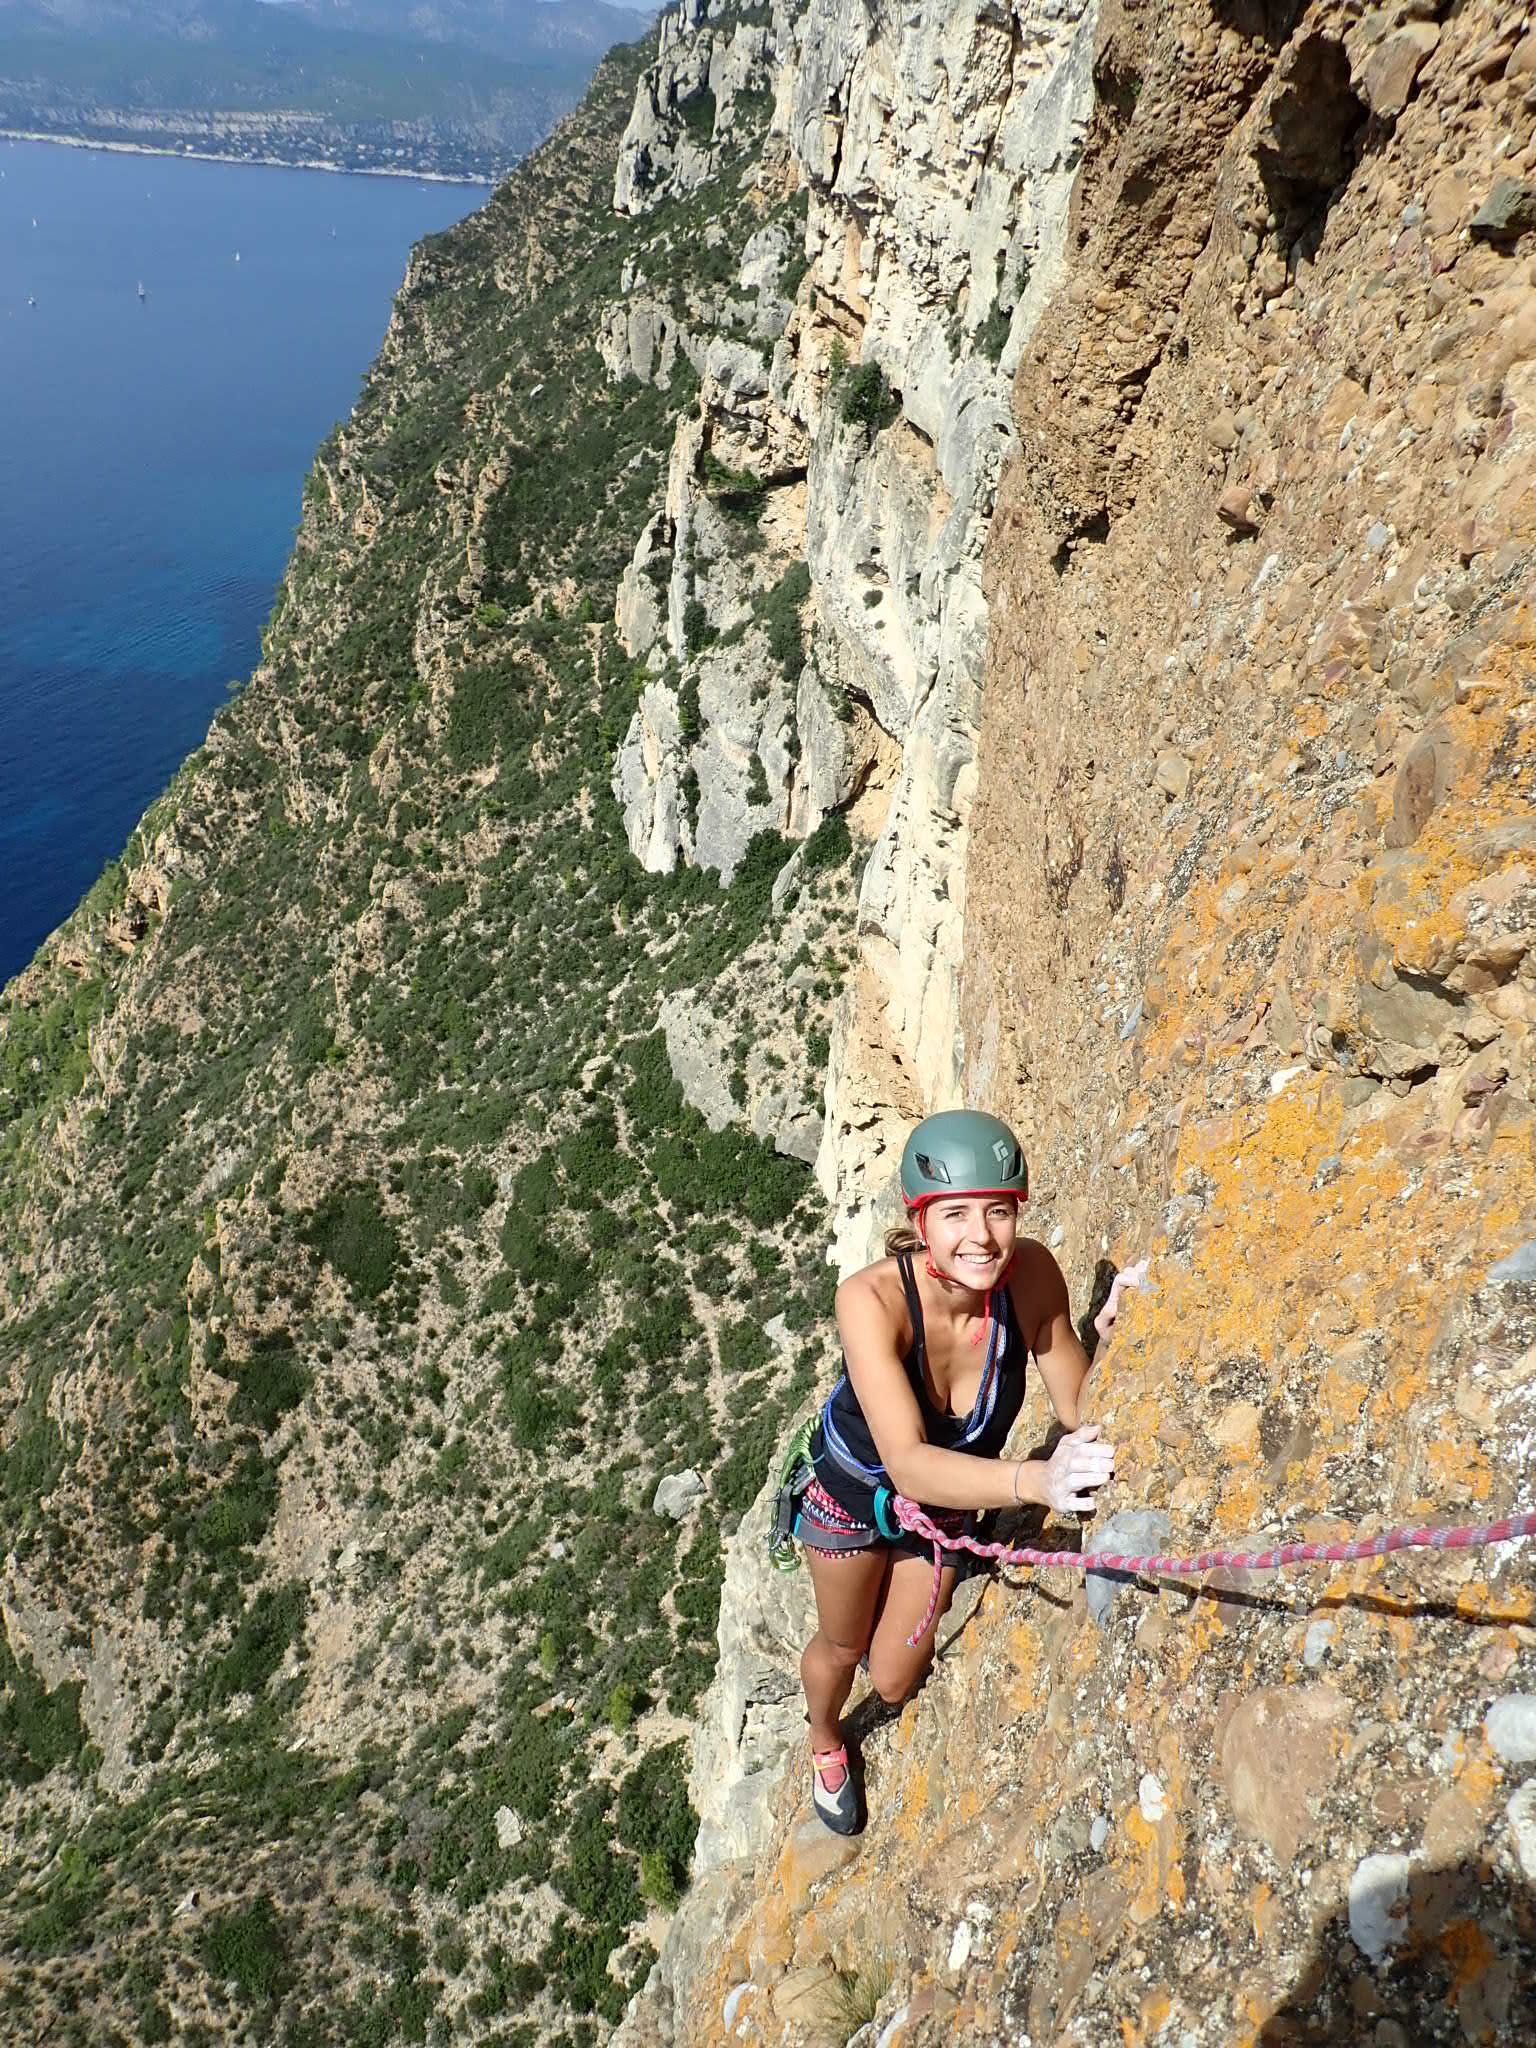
847,1588
896,1671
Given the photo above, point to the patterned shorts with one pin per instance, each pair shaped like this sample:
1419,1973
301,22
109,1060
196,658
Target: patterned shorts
820,1512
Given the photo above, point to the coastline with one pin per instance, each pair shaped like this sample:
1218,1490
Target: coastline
282,163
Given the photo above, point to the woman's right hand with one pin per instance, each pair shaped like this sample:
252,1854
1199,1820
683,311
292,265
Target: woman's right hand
1077,1465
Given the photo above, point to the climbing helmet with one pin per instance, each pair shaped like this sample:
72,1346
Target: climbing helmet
962,1152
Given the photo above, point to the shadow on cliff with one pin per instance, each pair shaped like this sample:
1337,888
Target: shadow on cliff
1461,1966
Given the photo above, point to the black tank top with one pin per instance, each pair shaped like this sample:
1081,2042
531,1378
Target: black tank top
843,1449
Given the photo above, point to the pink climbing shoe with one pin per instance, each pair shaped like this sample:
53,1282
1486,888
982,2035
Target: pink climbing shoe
837,1802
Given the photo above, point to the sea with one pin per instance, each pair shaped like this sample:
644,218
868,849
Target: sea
152,455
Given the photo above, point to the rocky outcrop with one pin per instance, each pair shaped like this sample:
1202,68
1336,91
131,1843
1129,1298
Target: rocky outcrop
753,1715
686,103
938,164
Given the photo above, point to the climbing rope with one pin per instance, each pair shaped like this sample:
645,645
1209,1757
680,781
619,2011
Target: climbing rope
1458,1536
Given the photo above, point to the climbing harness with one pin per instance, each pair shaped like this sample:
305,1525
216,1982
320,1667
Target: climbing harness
1457,1536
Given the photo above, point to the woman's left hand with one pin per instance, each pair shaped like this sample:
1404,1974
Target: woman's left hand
1108,1315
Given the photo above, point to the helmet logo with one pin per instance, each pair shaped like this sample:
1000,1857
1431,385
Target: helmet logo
1004,1153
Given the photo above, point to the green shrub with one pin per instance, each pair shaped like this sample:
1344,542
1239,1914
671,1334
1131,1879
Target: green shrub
248,1948
39,1730
658,1884
654,1817
272,1623
491,710
829,845
866,399
240,1512
270,1382
351,1232
697,117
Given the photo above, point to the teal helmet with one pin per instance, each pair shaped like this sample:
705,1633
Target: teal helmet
962,1152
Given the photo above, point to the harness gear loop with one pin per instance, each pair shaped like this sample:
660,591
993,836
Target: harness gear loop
795,1475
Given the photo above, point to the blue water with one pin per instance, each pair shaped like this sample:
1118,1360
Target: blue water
152,455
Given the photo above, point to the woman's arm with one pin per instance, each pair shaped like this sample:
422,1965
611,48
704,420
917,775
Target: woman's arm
870,1330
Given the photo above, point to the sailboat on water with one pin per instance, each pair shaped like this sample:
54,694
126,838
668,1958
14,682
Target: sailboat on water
142,293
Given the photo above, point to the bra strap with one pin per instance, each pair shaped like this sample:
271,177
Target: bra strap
914,1309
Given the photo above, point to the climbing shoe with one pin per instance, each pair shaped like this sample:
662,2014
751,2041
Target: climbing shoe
837,1804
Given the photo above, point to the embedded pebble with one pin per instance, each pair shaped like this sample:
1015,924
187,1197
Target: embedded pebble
1520,1265
1098,1834
1152,1800
1511,1726
1522,1827
1314,1648
960,1947
732,2004
1378,1894
1132,1532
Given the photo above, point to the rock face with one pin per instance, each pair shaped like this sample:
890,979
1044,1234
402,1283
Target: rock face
752,1718
686,102
1249,958
939,163
934,164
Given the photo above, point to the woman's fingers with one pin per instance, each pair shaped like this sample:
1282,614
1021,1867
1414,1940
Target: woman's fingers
1081,1463
1093,1464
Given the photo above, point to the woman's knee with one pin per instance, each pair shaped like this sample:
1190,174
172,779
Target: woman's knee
896,1678
843,1656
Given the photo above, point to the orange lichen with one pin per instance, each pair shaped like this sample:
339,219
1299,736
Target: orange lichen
1467,1950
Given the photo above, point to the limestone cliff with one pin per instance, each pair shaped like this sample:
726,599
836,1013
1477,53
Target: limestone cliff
981,554
864,427
1248,916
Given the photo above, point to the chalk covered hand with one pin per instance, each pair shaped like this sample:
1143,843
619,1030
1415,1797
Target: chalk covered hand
1078,1464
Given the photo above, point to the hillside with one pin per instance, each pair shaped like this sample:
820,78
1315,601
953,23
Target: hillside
364,90
977,556
364,1269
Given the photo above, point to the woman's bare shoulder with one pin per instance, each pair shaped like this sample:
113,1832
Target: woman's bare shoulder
875,1290
1031,1252
879,1282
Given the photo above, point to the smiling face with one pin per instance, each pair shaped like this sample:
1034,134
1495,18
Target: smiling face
970,1237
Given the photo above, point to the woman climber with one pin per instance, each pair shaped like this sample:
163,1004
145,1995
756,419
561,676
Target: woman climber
933,1381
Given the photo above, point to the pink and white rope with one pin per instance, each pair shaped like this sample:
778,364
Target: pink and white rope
1457,1536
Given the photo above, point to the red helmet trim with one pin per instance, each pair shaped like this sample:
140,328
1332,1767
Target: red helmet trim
915,1204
